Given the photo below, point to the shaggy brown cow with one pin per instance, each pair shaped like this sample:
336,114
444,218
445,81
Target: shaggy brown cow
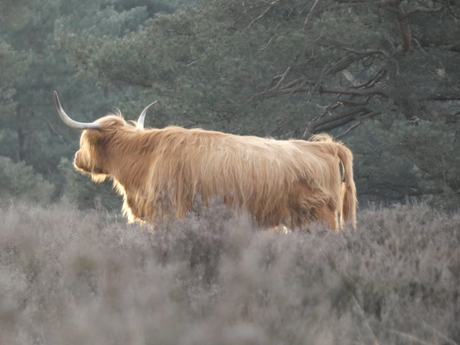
279,182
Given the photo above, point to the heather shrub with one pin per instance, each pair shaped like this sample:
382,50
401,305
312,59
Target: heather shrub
74,277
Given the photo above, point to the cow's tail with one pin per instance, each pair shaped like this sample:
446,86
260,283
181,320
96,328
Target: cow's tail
348,214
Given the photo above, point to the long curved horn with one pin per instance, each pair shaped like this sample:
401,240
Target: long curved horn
72,123
140,121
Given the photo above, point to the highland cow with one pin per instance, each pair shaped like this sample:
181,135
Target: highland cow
278,182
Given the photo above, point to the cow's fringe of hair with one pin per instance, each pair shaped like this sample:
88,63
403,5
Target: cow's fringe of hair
287,183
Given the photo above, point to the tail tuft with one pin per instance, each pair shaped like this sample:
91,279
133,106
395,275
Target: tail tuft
349,202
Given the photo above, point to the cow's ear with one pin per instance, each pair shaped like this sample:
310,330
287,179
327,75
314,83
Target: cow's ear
94,136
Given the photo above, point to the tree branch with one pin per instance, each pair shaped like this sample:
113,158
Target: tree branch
283,77
346,61
373,91
402,17
424,10
299,85
330,122
444,97
343,119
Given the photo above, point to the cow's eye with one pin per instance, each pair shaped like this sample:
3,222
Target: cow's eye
93,139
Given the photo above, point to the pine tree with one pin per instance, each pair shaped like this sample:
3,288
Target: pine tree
382,76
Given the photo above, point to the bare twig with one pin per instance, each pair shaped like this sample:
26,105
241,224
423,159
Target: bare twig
350,77
374,80
274,90
263,14
283,77
312,9
409,336
348,130
450,341
266,44
368,327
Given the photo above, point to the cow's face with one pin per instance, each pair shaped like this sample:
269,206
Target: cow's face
90,157
101,141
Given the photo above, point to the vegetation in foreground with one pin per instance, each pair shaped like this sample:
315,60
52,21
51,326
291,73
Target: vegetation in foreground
73,277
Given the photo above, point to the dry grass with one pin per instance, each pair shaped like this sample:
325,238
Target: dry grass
73,277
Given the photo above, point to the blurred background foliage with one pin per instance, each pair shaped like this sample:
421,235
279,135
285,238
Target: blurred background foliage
383,77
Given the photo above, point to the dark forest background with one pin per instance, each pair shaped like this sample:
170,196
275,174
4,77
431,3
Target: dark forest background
382,76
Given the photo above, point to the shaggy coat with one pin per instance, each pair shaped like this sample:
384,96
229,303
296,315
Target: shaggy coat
279,182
